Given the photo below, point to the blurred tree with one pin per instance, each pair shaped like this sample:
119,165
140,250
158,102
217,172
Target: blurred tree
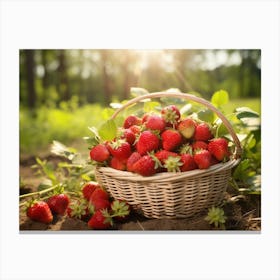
107,83
48,77
30,78
63,84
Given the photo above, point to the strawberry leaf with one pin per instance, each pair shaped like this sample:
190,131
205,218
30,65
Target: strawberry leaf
59,149
219,98
108,130
245,112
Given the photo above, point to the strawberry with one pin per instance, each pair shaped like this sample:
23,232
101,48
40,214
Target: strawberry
202,132
162,155
129,136
199,145
131,160
100,203
99,153
58,203
219,148
171,114
131,120
214,160
100,220
40,212
202,158
171,139
99,194
88,189
172,164
147,142
155,122
136,129
187,128
145,117
188,162
145,166
117,163
120,149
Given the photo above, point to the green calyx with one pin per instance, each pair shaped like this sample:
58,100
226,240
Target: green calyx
172,164
216,216
119,209
117,144
170,116
107,217
186,149
78,209
155,159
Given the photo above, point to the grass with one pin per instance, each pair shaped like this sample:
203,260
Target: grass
36,133
68,126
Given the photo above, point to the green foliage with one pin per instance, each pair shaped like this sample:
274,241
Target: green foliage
220,98
40,128
108,130
216,216
70,174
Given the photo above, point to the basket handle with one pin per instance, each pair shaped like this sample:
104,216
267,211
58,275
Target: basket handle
238,150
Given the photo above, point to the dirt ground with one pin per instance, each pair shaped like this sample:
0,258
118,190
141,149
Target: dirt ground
242,214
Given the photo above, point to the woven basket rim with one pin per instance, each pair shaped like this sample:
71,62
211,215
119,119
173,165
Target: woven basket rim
167,176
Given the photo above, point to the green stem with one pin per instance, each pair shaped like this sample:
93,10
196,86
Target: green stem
37,193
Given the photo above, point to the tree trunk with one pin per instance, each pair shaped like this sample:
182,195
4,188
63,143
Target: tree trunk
106,77
30,78
63,79
45,79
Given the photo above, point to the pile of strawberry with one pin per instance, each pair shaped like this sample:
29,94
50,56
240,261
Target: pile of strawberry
162,142
94,207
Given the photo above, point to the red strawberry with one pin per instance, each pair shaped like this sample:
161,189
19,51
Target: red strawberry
118,163
40,212
187,128
129,136
202,132
100,220
131,120
99,153
171,114
199,145
131,160
219,148
145,117
135,129
58,203
203,159
120,149
171,139
147,142
162,155
155,122
188,163
88,188
145,166
99,194
214,160
100,203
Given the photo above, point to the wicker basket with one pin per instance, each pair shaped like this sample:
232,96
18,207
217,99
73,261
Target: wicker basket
172,195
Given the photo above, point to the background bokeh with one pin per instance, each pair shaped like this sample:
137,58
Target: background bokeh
62,92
